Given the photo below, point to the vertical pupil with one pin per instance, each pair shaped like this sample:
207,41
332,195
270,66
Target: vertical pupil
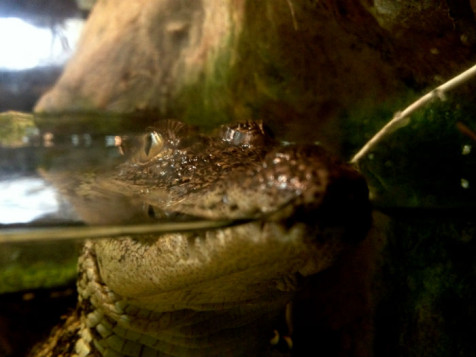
151,212
148,144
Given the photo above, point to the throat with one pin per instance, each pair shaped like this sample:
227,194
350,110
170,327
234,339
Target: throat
116,326
234,332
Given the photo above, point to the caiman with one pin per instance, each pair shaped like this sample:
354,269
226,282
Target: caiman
215,292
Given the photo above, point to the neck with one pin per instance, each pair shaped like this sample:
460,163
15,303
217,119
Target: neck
114,325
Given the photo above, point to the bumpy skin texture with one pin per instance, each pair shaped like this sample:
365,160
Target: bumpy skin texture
217,292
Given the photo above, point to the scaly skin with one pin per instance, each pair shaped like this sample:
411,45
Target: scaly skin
216,292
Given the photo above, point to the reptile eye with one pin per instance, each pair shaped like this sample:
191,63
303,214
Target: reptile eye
247,134
152,145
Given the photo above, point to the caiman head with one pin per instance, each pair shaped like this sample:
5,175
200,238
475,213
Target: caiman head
217,291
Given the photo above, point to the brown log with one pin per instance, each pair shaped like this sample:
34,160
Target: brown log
294,64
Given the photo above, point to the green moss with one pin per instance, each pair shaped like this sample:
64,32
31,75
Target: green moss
38,265
15,127
43,274
206,102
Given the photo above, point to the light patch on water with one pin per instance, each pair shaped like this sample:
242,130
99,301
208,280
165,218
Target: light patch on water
27,46
464,183
466,150
25,199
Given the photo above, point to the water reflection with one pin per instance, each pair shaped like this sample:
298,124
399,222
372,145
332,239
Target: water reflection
29,155
26,199
82,152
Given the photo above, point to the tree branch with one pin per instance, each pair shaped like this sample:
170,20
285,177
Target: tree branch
400,118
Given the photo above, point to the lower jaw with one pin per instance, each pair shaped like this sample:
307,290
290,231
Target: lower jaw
118,326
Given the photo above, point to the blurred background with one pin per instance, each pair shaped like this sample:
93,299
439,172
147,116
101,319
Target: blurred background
37,37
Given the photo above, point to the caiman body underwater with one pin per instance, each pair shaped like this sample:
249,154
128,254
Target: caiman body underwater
217,292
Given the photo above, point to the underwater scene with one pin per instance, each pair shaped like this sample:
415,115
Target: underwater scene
237,178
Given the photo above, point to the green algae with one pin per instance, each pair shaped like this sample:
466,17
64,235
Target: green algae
34,266
15,127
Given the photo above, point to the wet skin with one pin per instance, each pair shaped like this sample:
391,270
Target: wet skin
214,292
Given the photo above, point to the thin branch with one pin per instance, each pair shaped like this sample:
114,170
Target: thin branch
399,118
293,15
